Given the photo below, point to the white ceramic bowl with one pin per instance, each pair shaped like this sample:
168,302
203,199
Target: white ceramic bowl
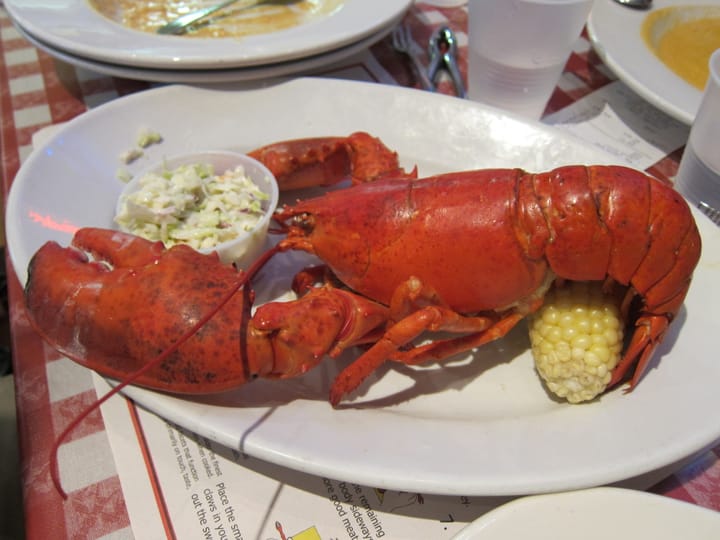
244,248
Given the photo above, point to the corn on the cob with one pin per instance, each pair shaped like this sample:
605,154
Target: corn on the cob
577,340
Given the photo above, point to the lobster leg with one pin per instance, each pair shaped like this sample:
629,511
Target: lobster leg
416,321
412,295
439,350
389,345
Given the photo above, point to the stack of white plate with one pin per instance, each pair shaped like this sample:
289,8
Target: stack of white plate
73,31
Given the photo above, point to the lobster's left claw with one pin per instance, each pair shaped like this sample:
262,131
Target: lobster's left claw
324,161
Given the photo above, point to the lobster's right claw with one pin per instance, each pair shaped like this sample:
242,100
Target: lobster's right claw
58,277
131,299
64,284
116,248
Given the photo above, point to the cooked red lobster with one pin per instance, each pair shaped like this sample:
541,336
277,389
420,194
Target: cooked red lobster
467,253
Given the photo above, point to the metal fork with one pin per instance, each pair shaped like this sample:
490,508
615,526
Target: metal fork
710,212
185,22
403,42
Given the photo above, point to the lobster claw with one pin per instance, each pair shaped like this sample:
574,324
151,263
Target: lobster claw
58,287
324,321
118,308
324,161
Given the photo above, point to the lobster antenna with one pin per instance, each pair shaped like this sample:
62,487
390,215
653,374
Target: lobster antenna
244,279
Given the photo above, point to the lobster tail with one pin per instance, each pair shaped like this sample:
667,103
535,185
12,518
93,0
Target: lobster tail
619,223
673,252
579,245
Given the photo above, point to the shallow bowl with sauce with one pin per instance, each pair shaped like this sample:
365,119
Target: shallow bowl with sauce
244,248
683,37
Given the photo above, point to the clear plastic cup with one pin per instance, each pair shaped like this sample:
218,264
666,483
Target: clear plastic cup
698,177
518,48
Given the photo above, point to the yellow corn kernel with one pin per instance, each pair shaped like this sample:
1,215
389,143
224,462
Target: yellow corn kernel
576,339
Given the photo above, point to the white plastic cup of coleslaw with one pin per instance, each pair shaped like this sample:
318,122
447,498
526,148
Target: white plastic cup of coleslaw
217,200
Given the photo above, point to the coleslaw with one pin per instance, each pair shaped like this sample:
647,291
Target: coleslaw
192,205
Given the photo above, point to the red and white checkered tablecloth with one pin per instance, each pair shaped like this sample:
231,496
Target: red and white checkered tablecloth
37,91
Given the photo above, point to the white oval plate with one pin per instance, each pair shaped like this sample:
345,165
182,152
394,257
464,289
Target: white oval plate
485,427
75,27
615,32
595,514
